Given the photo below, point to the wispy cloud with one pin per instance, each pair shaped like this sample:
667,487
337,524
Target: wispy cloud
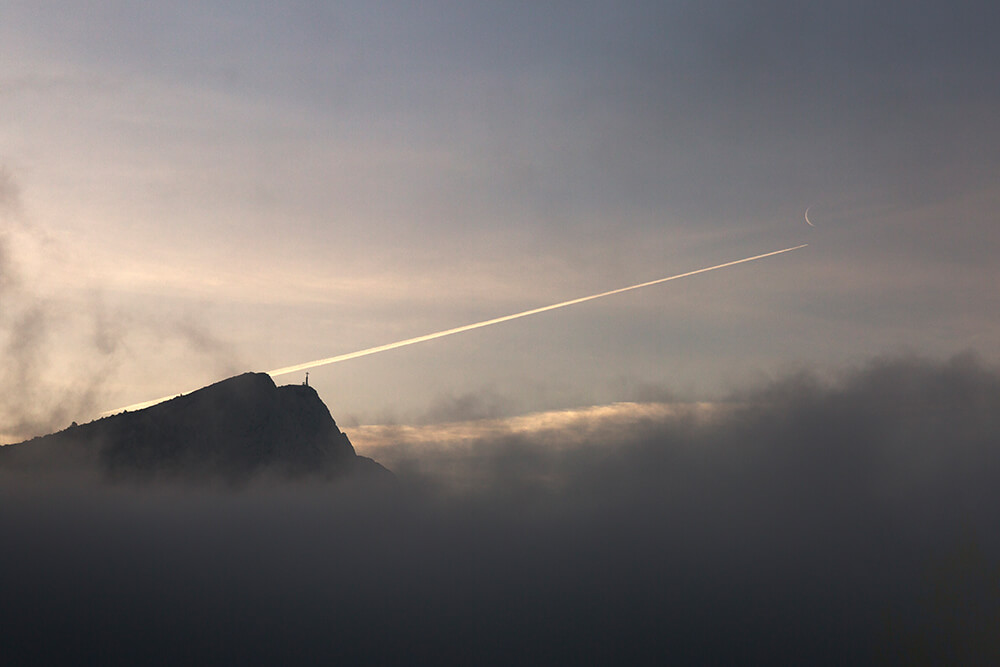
63,341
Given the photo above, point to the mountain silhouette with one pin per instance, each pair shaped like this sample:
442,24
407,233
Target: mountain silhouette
233,429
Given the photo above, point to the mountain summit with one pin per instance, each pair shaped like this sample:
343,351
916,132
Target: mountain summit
233,429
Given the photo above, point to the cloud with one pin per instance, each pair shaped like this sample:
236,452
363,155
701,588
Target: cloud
26,329
10,194
809,519
62,343
484,404
10,209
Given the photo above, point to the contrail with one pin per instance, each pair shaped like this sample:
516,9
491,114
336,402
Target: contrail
506,318
478,325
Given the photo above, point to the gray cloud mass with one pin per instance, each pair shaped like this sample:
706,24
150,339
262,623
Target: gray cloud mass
813,521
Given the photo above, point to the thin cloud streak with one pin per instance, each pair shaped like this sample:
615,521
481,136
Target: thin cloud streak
373,439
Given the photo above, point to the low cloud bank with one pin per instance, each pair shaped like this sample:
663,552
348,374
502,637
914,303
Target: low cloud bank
808,522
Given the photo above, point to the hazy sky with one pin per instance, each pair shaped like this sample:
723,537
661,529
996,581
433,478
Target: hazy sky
194,189
191,190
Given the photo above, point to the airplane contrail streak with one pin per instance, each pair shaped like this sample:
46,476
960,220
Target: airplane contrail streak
478,325
506,318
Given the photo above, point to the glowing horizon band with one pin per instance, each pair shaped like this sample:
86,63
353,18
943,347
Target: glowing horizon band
478,325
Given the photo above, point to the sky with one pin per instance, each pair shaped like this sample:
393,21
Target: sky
790,460
191,190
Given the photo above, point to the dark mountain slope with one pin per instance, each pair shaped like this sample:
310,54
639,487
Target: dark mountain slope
233,429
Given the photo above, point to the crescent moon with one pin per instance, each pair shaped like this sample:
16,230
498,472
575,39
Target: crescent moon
807,218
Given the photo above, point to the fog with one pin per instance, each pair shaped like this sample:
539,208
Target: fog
812,520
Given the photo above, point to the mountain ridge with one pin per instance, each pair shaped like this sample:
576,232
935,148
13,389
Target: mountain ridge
235,429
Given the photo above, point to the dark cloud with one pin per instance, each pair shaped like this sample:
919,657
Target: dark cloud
808,521
5,268
484,404
10,208
109,327
198,336
10,194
